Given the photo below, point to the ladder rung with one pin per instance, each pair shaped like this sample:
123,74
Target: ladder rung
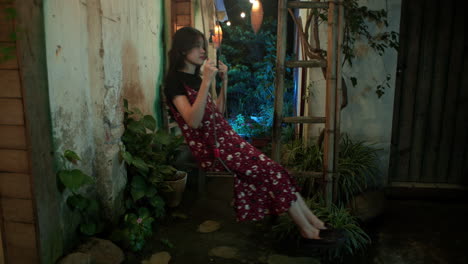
304,119
308,174
314,63
304,4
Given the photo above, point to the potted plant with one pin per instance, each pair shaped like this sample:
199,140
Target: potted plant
148,153
169,146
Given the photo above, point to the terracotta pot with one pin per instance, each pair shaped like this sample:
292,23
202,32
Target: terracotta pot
174,198
368,205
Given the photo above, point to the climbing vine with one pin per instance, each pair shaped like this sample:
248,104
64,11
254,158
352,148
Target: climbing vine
357,21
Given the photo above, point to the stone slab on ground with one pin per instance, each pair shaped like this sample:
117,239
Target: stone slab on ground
224,252
77,258
208,226
102,251
158,258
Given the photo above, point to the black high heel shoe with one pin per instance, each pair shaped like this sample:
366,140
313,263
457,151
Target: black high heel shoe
329,238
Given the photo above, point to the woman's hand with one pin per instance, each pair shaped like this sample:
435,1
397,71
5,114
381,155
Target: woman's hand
209,70
223,69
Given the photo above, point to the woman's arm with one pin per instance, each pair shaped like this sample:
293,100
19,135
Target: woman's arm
221,101
193,114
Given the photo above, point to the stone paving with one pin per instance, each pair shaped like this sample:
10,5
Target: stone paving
203,230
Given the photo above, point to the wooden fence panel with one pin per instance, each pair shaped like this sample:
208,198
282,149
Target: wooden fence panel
455,63
409,82
422,114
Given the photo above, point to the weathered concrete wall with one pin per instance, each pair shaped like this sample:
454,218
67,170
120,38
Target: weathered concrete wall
366,117
99,52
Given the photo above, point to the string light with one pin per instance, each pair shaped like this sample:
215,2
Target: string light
242,14
228,23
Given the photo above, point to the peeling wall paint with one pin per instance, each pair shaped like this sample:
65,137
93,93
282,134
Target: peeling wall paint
99,52
366,117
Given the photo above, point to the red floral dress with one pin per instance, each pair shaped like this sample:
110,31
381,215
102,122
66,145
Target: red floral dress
261,186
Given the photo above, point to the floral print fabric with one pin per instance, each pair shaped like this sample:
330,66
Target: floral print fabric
261,186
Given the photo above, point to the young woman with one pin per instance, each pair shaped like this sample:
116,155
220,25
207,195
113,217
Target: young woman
261,186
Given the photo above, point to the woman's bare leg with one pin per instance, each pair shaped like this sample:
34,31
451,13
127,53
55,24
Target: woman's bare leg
297,215
313,220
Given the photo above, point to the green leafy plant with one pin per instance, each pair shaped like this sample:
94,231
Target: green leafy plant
251,60
137,229
73,180
148,154
336,217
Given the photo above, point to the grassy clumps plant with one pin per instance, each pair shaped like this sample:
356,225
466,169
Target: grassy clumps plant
357,164
357,167
336,217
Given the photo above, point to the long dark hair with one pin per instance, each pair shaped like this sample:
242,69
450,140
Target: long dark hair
184,40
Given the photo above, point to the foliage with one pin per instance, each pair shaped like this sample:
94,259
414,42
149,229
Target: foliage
336,217
148,154
357,20
357,164
74,180
250,128
252,69
137,228
357,167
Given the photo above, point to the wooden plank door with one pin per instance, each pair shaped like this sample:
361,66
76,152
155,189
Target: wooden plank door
429,137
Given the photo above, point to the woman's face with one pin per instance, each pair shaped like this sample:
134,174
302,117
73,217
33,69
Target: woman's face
197,54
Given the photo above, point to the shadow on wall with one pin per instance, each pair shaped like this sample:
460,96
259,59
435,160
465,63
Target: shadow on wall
132,86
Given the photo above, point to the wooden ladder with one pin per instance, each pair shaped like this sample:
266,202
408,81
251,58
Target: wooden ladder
332,64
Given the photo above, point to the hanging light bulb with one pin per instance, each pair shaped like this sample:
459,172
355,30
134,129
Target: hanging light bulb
217,36
256,16
242,14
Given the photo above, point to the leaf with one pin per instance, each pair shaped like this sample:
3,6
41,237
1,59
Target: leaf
167,169
140,164
136,127
78,202
93,206
74,179
71,156
166,242
138,189
88,229
125,104
143,212
149,122
162,137
127,157
137,111
137,194
151,191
